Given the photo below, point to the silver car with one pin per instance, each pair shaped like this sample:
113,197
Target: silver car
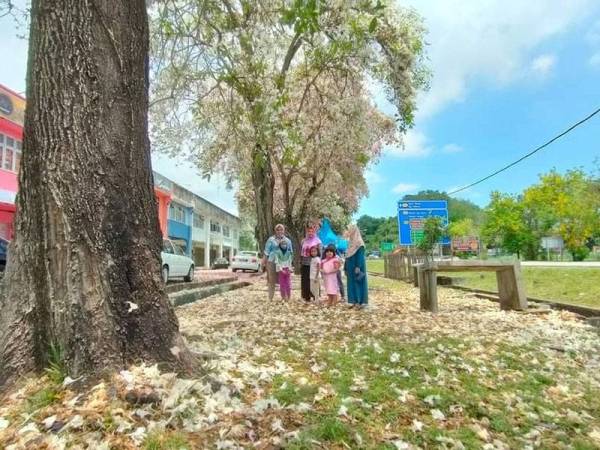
175,264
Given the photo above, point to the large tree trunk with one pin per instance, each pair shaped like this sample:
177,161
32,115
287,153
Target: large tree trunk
296,234
83,270
263,183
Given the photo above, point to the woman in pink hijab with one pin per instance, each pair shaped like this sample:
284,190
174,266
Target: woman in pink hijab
311,240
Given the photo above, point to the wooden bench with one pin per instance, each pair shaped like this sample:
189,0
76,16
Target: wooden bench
508,274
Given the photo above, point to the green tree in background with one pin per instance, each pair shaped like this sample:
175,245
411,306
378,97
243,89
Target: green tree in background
566,205
368,225
463,227
506,226
376,230
247,241
433,231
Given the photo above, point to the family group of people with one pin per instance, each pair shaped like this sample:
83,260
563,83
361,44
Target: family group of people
320,267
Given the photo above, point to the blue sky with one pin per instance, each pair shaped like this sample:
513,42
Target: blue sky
507,76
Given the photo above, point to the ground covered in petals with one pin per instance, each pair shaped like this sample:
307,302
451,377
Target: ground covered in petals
300,376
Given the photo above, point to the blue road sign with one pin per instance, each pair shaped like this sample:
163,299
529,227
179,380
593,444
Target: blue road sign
412,215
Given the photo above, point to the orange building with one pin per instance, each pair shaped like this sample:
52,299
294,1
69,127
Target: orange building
164,200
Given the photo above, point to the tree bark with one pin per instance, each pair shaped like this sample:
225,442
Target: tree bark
296,234
263,183
84,267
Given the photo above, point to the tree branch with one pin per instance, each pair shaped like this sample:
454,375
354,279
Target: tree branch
289,56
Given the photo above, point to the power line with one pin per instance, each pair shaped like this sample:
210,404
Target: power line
572,127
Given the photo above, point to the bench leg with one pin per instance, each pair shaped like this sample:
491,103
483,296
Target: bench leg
422,283
510,289
428,290
432,291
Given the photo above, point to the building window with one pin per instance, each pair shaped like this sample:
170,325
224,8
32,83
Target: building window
8,158
177,212
198,221
235,234
225,231
215,227
10,153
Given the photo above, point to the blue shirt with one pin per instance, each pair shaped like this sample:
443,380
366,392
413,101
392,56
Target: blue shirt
273,244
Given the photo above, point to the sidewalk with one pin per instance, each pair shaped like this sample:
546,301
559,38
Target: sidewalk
588,264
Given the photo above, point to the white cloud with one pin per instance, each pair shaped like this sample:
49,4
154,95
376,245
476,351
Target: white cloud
402,188
452,148
593,38
415,144
594,60
543,64
373,177
593,35
491,41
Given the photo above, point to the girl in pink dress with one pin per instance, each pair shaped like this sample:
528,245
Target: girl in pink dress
329,268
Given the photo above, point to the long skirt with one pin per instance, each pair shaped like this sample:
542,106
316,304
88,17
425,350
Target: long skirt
357,289
285,283
330,282
305,283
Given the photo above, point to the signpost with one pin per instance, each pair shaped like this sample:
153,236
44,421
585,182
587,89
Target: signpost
554,244
466,244
386,247
412,215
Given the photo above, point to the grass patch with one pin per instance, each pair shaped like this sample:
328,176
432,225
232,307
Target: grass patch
381,283
575,285
166,441
332,429
56,370
303,442
385,384
328,429
42,398
288,393
375,265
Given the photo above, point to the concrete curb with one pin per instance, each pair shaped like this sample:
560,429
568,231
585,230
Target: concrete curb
177,287
193,295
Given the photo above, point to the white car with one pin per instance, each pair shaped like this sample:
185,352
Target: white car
174,263
246,261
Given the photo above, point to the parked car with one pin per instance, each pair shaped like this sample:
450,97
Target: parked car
220,263
246,261
3,252
374,255
175,264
